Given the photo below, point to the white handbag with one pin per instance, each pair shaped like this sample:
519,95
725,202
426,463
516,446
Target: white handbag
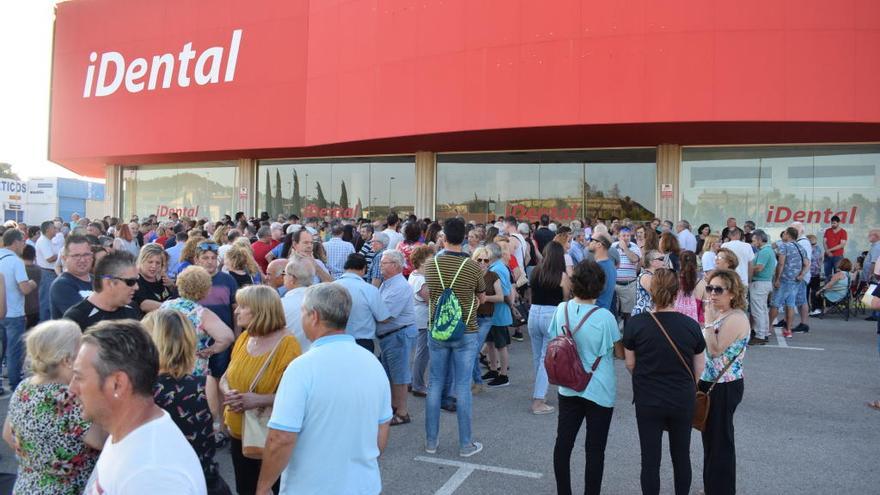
255,423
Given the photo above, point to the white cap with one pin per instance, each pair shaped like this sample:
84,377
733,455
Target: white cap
276,226
294,228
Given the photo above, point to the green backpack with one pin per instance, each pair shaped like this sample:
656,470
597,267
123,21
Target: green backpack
447,324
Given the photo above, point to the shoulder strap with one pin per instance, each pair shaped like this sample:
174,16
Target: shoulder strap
260,373
442,285
457,271
583,320
674,347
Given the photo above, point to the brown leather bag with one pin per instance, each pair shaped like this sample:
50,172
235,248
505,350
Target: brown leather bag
701,405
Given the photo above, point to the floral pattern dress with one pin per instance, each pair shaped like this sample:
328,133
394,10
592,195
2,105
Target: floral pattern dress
643,298
185,400
193,311
714,364
48,425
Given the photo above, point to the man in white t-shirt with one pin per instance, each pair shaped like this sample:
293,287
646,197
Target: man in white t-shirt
47,256
145,452
686,239
744,254
327,430
394,236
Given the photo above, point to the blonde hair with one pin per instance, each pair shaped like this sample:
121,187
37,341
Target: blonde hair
175,339
149,251
51,343
479,251
242,258
242,241
220,238
265,306
707,243
193,283
188,253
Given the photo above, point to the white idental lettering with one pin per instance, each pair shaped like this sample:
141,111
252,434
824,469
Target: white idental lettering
206,69
103,88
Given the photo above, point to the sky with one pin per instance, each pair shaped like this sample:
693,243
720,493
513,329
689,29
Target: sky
25,68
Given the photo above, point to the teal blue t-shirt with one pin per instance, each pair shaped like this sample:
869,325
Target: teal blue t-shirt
765,257
595,338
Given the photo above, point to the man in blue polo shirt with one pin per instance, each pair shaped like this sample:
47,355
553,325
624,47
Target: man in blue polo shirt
367,306
327,430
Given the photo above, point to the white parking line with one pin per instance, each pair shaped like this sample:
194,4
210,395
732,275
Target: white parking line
796,347
780,339
466,468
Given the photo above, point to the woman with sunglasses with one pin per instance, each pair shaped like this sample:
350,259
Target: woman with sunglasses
663,390
725,259
494,294
550,287
652,261
727,336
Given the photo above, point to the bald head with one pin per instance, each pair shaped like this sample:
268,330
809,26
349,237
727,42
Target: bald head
275,273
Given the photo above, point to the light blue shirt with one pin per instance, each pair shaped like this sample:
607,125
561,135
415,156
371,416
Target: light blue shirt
367,306
292,304
501,315
174,258
576,251
14,273
595,338
337,252
397,295
336,418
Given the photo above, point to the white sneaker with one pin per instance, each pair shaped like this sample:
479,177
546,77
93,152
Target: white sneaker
475,448
815,312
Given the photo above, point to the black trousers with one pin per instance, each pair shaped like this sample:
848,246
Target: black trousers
572,412
814,286
719,448
367,344
652,421
247,471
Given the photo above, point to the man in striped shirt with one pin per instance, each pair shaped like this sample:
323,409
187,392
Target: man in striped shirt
468,287
627,271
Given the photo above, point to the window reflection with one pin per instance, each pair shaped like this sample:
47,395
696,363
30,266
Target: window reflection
566,185
195,190
775,186
344,187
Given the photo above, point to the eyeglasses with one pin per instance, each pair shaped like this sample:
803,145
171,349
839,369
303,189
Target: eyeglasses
482,260
661,258
80,256
209,246
715,289
131,282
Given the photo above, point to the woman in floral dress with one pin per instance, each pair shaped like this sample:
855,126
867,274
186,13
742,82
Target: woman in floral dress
56,448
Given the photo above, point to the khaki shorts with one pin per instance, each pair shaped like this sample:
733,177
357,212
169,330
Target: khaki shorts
626,296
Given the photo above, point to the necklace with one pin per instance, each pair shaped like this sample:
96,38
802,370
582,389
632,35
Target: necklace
716,325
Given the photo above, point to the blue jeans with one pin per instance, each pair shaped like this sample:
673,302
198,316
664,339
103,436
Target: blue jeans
13,331
46,279
831,265
539,322
458,355
484,323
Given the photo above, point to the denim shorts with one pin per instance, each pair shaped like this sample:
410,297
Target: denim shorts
800,298
397,350
786,294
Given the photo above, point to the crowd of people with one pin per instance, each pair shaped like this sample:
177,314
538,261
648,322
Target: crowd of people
135,351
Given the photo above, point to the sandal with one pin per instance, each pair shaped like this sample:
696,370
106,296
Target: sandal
400,420
874,405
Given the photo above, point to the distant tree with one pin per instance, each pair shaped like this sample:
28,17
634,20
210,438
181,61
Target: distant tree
343,197
6,171
322,201
279,207
295,199
269,203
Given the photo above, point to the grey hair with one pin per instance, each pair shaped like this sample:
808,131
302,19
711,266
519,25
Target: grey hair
264,232
685,224
381,237
302,270
396,257
124,345
760,234
331,301
494,250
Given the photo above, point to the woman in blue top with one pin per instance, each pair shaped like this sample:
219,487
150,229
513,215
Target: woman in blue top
726,339
838,285
598,337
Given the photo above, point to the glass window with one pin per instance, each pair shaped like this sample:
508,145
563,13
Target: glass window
774,186
195,190
566,185
341,187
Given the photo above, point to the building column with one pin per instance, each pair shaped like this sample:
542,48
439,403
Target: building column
113,190
426,171
246,188
668,171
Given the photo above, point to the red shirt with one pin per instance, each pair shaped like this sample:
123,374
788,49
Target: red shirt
261,249
833,239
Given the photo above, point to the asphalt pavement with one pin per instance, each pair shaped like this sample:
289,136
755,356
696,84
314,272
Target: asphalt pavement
802,428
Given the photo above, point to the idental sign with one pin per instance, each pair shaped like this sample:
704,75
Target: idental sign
206,69
523,211
186,211
313,210
783,214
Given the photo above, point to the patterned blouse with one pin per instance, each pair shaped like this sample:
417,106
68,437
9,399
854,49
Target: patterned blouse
185,400
193,311
47,422
714,365
643,298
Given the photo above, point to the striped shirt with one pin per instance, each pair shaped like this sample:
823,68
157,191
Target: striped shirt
469,283
627,270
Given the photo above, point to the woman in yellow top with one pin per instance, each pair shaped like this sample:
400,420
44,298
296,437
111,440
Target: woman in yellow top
261,315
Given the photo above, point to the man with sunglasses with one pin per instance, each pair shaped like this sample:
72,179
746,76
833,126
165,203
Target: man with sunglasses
116,280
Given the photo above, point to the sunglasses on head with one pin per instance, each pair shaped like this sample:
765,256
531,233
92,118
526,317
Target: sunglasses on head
715,289
131,282
208,246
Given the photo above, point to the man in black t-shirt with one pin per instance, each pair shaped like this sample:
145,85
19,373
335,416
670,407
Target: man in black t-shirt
116,280
544,235
75,284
